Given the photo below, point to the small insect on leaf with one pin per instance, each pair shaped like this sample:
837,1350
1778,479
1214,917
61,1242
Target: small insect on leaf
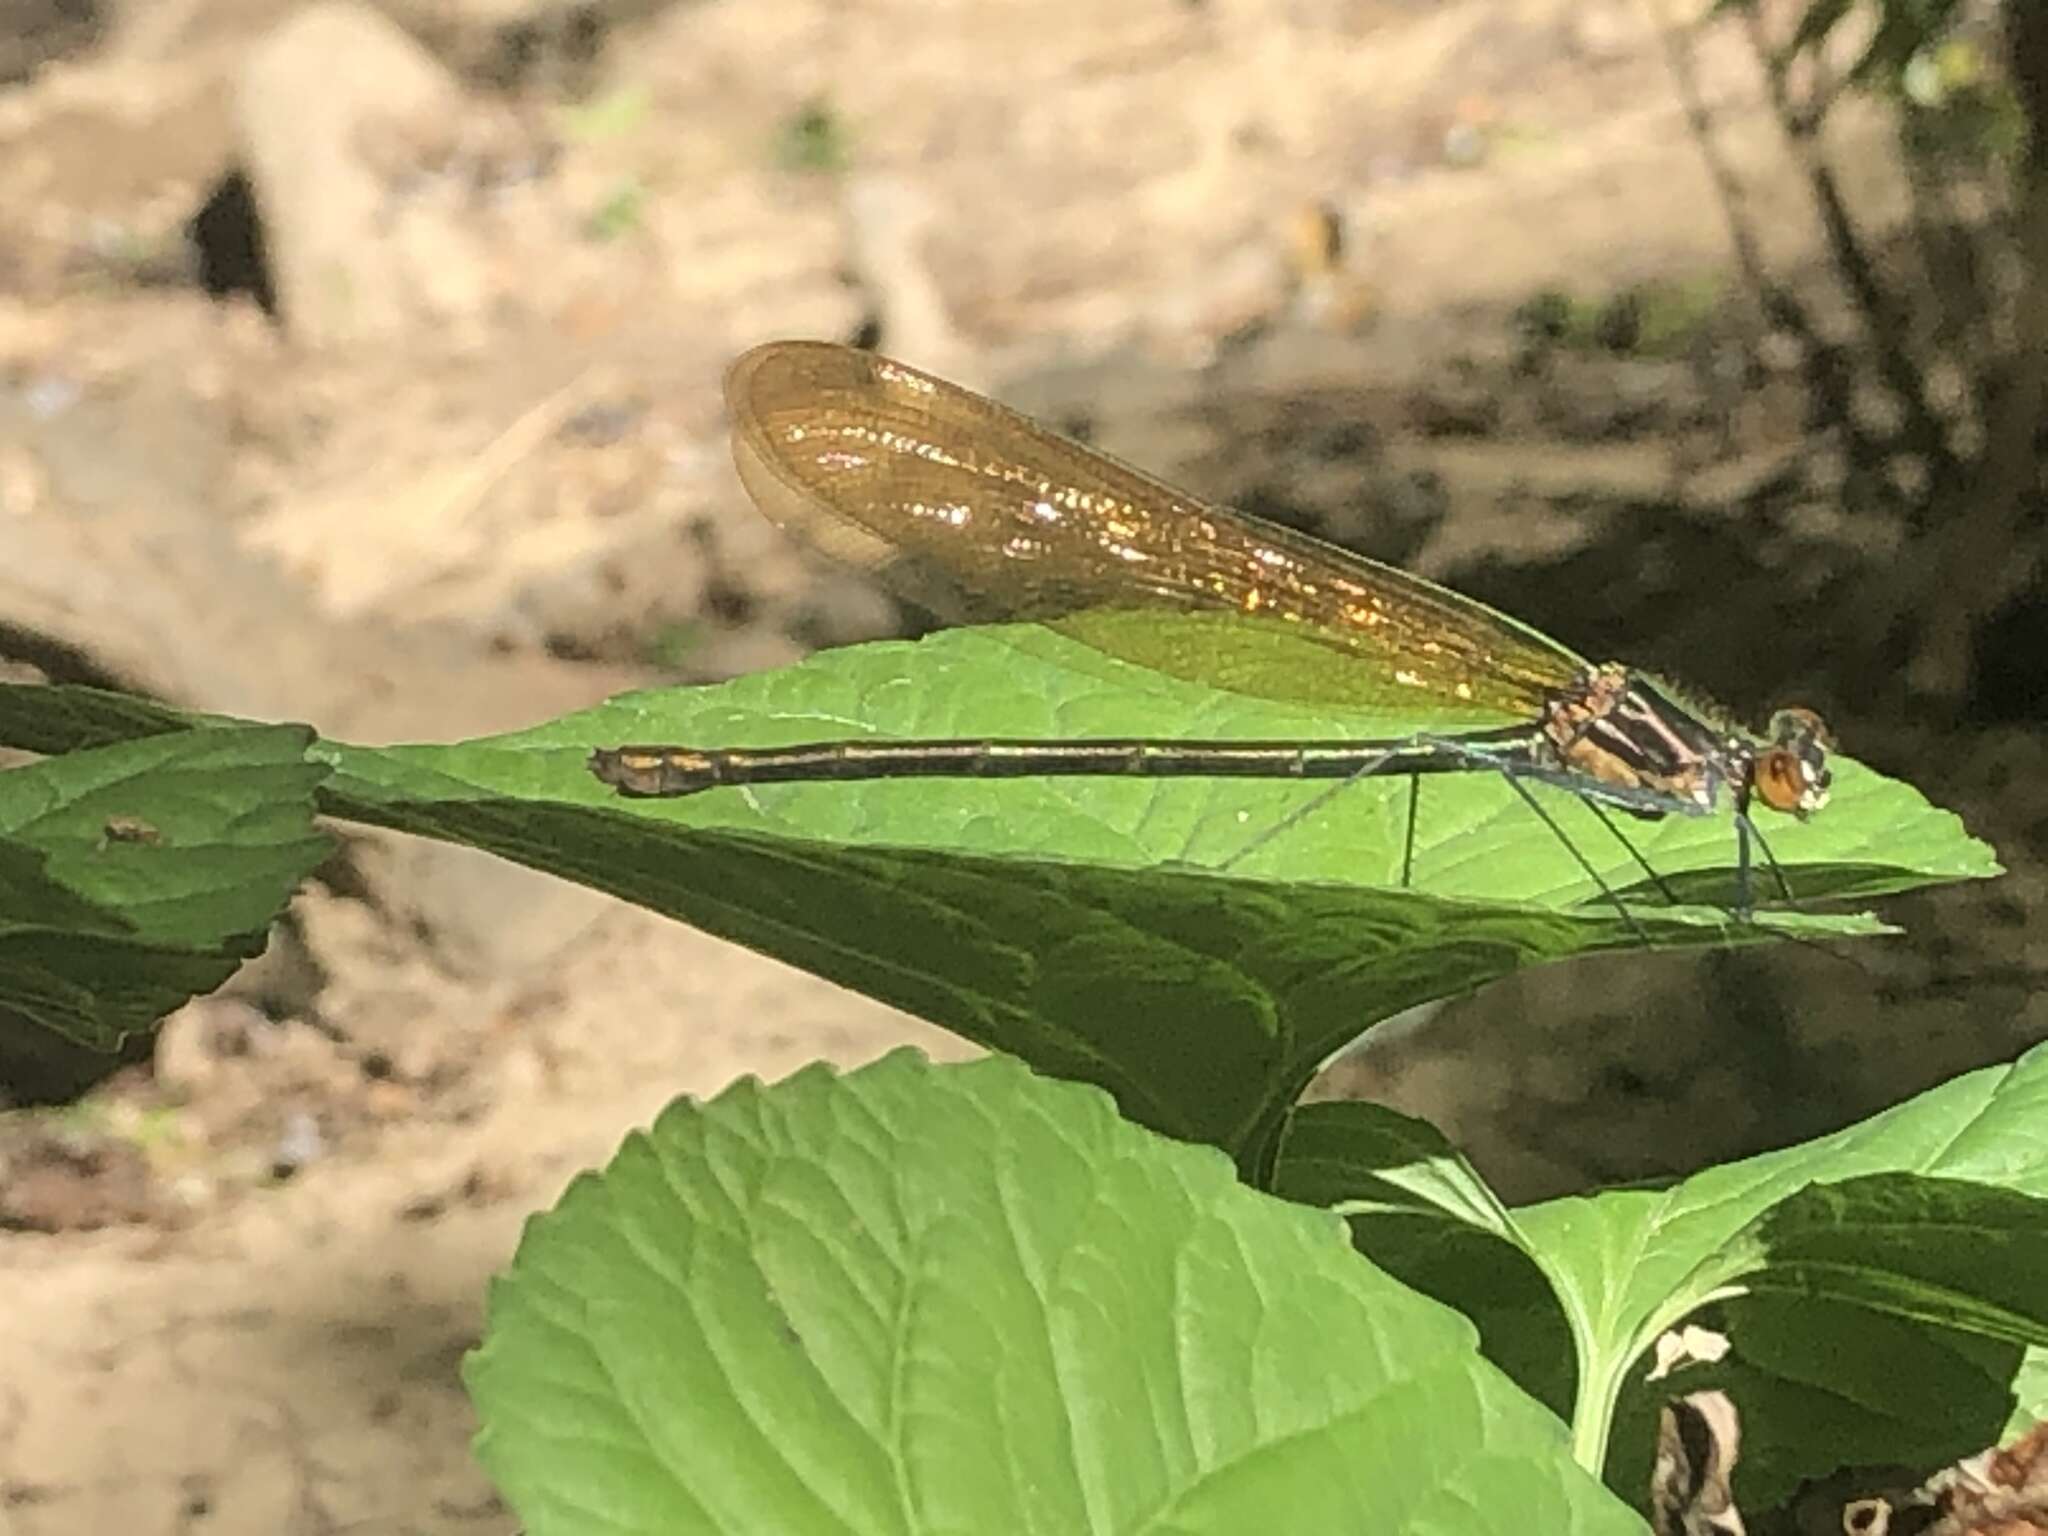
129,829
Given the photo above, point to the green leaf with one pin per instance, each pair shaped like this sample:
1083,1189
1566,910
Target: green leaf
1476,839
2030,1394
1857,1286
1630,1264
1633,1262
1088,925
1818,1384
134,876
1928,1222
1961,1254
49,720
1421,1212
1091,926
1364,1160
969,1299
1204,1006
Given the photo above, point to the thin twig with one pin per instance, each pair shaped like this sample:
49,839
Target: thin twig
1886,322
1779,308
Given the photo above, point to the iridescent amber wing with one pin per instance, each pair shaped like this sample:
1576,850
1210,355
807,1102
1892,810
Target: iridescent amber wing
981,514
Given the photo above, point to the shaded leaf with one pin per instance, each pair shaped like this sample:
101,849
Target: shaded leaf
134,876
1926,1225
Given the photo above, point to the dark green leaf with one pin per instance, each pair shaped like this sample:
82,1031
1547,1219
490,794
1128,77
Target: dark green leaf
1419,1211
1820,1388
133,876
69,719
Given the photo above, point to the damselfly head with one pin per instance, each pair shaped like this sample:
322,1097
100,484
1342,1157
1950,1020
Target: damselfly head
1791,773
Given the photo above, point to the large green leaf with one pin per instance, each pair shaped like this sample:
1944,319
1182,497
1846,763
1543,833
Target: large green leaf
136,875
1920,1234
1089,925
1092,926
968,1299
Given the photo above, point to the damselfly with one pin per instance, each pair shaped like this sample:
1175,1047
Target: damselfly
972,508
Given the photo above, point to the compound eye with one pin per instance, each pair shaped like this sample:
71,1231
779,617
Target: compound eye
1781,781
